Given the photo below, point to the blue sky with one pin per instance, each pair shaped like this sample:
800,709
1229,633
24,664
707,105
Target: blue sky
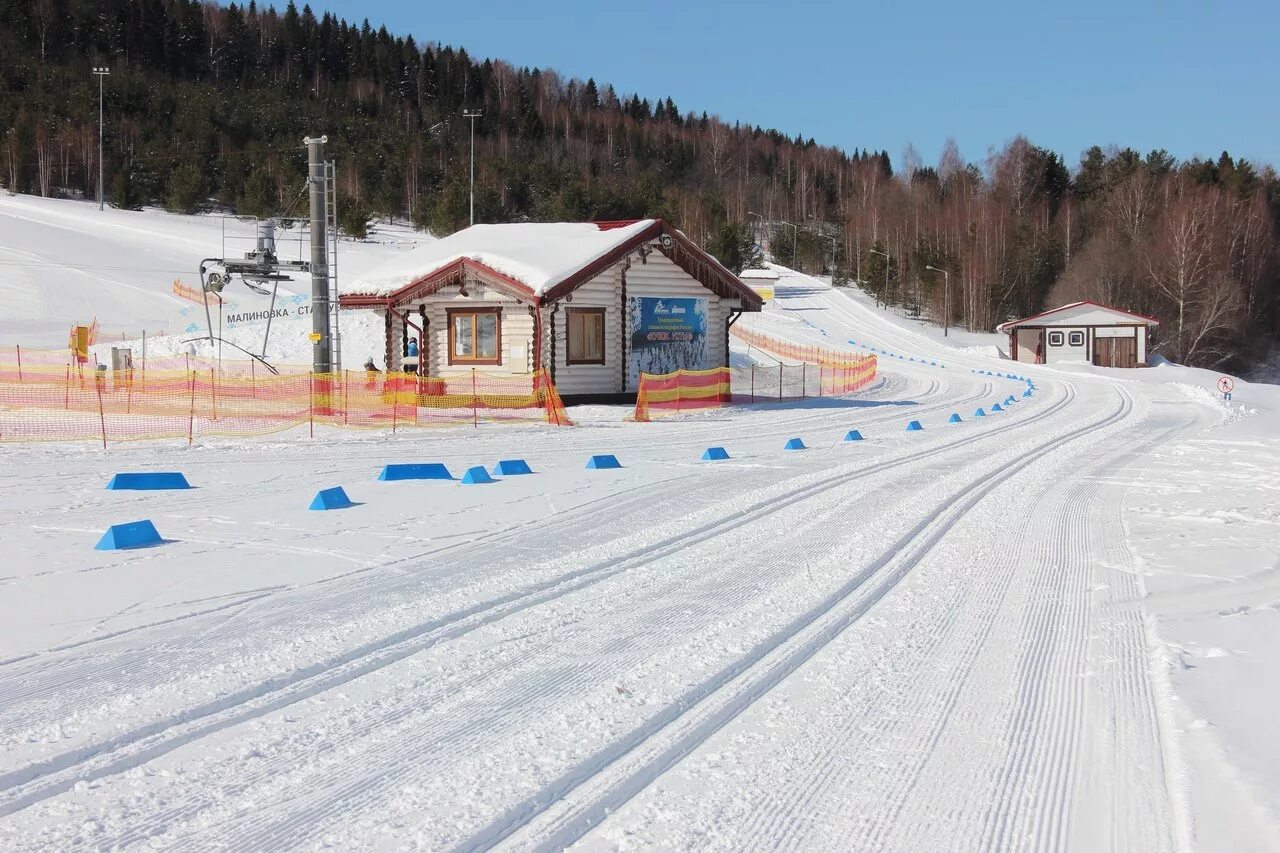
1192,77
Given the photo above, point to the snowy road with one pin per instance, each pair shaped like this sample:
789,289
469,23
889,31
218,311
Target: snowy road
922,641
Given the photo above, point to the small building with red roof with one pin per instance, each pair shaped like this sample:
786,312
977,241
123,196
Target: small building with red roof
592,303
1082,333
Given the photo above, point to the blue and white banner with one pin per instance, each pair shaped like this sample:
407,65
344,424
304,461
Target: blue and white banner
665,334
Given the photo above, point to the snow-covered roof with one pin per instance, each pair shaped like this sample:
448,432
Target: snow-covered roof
539,255
1083,313
770,275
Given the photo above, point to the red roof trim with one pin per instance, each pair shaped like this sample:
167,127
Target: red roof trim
1011,323
434,280
611,224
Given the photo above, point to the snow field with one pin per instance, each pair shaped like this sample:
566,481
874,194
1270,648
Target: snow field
1047,629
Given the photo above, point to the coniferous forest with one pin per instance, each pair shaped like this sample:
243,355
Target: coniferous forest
207,106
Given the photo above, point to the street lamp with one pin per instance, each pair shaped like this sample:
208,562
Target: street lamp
100,72
946,297
885,255
473,115
795,243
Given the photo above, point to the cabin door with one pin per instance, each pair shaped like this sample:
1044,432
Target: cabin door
1115,352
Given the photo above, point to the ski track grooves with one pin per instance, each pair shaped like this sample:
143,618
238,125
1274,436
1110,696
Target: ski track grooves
40,780
621,771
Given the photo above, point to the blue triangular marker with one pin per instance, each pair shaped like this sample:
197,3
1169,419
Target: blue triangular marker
603,461
476,476
954,419
794,444
335,498
509,467
131,535
853,435
914,426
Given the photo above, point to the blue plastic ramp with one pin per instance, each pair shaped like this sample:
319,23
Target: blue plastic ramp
853,435
914,426
476,476
335,498
954,419
149,480
713,454
995,407
979,412
416,471
509,467
794,444
135,534
603,461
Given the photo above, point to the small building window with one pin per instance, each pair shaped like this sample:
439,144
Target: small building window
1055,339
1076,339
585,335
475,335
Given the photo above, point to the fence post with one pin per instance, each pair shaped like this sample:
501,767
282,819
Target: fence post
191,419
804,379
18,347
102,418
820,376
66,391
311,403
678,384
753,383
779,382
213,391
253,380
475,422
346,402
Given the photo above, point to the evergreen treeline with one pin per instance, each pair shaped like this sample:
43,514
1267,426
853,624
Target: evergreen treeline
208,104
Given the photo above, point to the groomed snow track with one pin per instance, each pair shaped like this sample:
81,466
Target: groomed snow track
899,644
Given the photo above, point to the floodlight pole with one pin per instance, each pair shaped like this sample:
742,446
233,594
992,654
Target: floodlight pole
756,232
473,115
321,350
100,72
946,298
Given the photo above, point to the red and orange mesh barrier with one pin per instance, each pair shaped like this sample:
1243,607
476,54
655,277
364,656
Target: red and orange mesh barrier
70,403
193,294
683,390
827,372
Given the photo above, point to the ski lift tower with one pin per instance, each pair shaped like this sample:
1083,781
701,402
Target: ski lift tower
321,344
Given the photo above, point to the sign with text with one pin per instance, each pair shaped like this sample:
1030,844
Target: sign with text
665,334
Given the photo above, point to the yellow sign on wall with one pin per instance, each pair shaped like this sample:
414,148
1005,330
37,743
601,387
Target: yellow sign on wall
314,337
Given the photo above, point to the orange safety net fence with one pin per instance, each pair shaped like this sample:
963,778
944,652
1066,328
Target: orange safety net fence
72,403
683,390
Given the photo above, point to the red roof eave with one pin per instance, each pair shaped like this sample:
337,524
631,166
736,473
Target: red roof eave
1011,323
424,284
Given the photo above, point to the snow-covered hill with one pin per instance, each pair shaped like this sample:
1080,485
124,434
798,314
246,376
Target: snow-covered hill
64,263
1046,628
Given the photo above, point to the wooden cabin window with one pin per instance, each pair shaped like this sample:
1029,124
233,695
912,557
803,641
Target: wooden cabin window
1055,339
475,335
1076,339
586,335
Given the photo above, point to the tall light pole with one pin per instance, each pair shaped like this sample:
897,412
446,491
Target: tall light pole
100,72
795,244
946,298
473,115
885,255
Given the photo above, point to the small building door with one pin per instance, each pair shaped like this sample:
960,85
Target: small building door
1115,352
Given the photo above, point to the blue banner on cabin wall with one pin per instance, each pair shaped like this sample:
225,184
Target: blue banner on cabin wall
665,334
